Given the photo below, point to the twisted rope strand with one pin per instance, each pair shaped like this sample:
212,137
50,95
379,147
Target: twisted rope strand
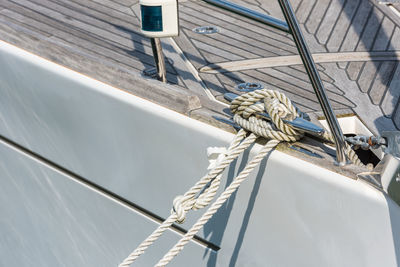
237,146
245,109
218,203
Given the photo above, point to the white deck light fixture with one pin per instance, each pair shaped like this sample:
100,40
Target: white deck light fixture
159,18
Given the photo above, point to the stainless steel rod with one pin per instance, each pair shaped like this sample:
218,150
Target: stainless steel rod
316,82
159,59
244,11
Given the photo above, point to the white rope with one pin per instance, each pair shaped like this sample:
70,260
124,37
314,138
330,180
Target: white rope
245,108
188,200
217,204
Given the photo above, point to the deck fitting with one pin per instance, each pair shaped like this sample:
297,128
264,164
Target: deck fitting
206,29
248,86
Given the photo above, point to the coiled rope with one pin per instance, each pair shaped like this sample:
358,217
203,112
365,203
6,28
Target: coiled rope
245,109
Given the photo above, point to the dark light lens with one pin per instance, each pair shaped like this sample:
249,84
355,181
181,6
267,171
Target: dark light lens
151,18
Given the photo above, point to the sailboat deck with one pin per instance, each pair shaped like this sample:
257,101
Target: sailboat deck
357,42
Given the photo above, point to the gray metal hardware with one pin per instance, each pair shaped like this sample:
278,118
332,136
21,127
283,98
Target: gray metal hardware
392,143
385,175
249,86
316,81
227,121
305,151
293,27
159,59
298,123
206,29
247,12
365,142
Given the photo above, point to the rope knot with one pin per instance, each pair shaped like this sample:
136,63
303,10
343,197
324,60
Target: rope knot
181,205
251,109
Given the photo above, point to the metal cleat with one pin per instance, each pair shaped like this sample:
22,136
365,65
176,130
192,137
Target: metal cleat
298,123
229,122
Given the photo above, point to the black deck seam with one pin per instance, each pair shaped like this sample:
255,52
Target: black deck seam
389,82
303,88
240,18
334,26
199,38
94,51
246,29
319,24
81,3
350,25
111,7
363,29
389,44
308,17
79,29
27,26
95,36
248,43
78,18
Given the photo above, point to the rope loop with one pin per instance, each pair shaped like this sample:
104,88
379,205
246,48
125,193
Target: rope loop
248,107
250,112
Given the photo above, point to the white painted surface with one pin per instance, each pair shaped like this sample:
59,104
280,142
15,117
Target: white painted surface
50,219
353,125
289,213
350,125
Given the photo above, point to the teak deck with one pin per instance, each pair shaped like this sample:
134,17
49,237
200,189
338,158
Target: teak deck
101,38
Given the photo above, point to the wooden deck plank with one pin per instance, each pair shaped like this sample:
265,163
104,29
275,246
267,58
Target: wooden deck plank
99,11
382,40
221,39
367,75
16,18
342,25
187,47
237,31
395,41
107,31
78,19
329,20
357,26
304,10
382,81
392,97
260,44
317,14
250,25
353,70
370,30
215,50
113,5
95,45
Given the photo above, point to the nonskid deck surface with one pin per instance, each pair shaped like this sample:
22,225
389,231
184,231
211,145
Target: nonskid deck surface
357,42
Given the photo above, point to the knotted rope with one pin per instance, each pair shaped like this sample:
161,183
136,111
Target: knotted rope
245,109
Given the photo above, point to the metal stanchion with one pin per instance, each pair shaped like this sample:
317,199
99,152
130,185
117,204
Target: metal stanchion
159,59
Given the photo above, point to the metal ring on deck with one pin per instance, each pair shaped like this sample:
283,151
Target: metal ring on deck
249,86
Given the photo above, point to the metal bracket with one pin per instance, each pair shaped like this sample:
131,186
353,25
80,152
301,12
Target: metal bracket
392,143
386,175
